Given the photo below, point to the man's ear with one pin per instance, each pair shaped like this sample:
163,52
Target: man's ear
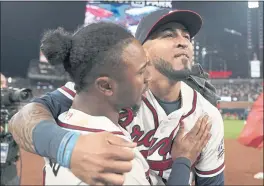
104,85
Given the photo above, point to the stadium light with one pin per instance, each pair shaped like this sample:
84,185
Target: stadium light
253,4
9,80
204,52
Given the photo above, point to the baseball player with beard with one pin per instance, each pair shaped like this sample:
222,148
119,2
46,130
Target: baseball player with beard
169,103
166,36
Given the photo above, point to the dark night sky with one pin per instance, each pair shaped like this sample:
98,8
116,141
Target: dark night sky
22,24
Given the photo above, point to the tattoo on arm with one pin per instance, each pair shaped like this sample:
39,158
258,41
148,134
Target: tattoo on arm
22,124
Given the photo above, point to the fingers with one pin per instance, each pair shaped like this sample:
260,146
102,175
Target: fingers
117,166
205,141
113,179
203,127
119,153
205,136
118,141
196,127
206,133
180,132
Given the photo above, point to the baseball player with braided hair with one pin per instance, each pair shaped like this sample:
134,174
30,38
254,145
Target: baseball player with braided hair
107,92
169,104
96,82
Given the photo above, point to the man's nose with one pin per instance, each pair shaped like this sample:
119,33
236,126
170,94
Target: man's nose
181,42
148,76
182,45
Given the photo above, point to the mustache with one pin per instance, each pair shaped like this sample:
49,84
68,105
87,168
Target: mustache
182,53
165,68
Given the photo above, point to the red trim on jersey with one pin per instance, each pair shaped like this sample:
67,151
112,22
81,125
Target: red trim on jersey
69,91
193,106
144,153
153,111
68,126
128,115
123,115
211,171
155,117
44,176
160,165
166,164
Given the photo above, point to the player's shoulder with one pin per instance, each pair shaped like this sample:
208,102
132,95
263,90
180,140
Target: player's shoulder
214,115
205,105
79,121
68,90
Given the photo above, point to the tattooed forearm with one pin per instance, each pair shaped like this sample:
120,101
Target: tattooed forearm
22,124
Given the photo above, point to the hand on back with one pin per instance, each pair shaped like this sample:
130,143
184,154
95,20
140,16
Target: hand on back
102,158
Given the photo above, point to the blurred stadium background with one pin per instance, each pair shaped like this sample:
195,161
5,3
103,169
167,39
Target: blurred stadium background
229,47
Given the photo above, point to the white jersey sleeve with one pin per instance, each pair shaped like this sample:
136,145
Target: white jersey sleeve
137,176
86,124
211,161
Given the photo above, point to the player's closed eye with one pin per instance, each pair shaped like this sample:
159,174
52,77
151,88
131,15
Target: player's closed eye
167,34
187,37
142,71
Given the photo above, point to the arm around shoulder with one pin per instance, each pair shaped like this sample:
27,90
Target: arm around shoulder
40,112
22,124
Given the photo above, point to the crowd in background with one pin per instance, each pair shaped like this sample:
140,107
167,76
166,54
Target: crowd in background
228,90
234,91
240,92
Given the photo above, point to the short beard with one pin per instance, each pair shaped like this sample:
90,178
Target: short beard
166,68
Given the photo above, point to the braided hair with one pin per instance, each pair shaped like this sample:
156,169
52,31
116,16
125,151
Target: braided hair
91,52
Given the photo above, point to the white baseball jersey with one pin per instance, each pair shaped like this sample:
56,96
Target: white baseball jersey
154,130
84,123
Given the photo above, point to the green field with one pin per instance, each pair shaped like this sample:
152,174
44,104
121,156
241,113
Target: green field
233,128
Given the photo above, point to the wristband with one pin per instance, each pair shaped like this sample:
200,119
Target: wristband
47,136
51,141
61,149
68,150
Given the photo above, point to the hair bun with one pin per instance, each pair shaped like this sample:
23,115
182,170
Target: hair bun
56,46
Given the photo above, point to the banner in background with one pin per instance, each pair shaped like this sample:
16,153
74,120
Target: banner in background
126,13
220,74
255,69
